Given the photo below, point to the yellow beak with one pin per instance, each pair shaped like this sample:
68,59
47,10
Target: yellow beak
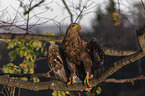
78,27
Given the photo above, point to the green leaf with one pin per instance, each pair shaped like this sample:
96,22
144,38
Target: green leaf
29,57
52,42
36,79
39,43
21,53
25,53
24,78
11,68
48,33
31,71
5,69
67,92
8,41
25,70
42,49
53,35
98,91
54,93
59,93
10,45
12,55
45,53
34,44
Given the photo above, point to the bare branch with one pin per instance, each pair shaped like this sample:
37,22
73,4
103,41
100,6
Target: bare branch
118,6
130,80
142,4
71,15
113,52
31,8
30,76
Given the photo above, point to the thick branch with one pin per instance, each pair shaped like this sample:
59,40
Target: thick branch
113,52
108,51
58,85
53,85
30,37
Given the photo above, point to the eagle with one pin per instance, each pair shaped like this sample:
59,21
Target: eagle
85,58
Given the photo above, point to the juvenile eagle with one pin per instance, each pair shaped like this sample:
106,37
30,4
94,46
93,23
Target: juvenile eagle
83,57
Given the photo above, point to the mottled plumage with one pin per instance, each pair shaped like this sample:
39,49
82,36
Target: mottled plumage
97,55
84,57
56,62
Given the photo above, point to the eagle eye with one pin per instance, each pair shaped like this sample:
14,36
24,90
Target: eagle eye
73,25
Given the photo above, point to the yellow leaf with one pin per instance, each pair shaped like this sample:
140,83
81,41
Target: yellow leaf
52,42
117,23
115,16
48,33
53,35
24,78
98,91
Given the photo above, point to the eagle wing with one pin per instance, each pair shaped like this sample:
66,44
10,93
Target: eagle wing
97,55
56,62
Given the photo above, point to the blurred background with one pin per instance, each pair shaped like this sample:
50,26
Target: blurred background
112,22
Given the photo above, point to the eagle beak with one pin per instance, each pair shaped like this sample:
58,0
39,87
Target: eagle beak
78,27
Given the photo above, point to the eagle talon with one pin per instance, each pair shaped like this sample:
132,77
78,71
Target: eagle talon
86,81
68,83
72,81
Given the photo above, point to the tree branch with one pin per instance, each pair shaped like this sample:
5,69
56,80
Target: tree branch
113,52
31,8
131,80
71,15
30,37
53,85
108,51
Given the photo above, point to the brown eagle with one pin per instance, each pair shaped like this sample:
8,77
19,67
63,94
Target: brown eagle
84,58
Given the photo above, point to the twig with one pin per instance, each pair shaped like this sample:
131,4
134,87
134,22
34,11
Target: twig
31,8
71,15
131,80
118,6
143,4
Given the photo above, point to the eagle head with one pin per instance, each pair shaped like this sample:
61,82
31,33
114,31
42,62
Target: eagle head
75,26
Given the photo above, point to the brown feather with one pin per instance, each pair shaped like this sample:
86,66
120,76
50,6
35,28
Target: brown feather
56,63
86,56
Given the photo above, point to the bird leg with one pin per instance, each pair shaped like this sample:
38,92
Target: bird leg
87,63
88,76
73,77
